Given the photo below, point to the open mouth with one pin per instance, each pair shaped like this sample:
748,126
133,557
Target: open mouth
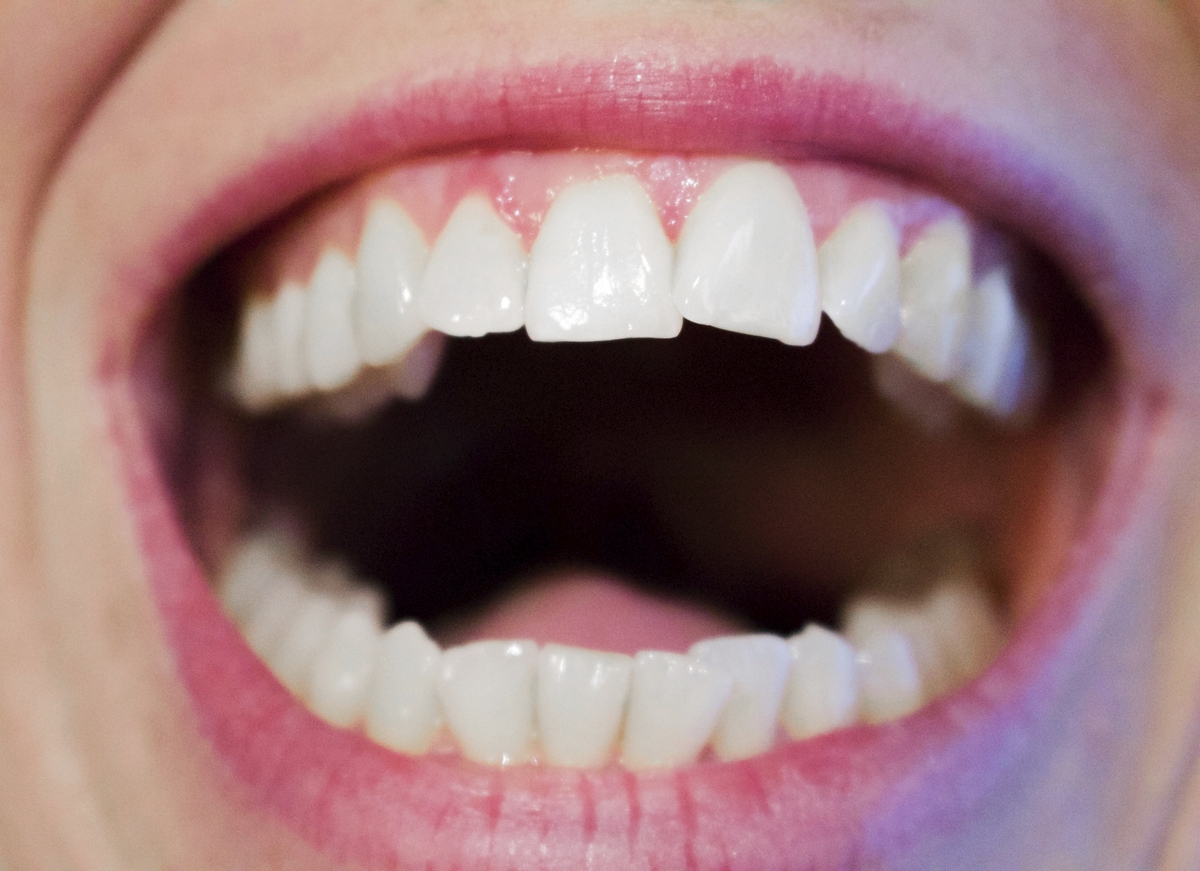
660,494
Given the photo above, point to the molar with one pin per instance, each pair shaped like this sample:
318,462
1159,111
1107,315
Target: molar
601,267
747,260
859,265
581,700
392,255
999,370
487,694
475,281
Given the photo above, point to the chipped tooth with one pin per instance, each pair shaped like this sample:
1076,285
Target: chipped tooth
859,267
255,383
391,260
475,281
746,258
601,267
675,702
288,315
581,698
823,686
759,667
344,666
998,367
935,285
890,681
403,712
330,348
487,695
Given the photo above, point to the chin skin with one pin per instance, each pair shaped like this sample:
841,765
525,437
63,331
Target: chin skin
103,761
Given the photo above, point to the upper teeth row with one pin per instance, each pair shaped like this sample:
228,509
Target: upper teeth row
602,268
509,702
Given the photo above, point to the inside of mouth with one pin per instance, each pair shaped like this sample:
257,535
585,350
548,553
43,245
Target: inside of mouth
644,494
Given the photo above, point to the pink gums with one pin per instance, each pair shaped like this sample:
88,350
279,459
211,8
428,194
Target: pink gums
522,185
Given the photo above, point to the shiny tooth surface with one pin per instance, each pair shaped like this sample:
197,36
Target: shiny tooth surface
288,316
330,347
392,255
869,616
487,694
475,281
859,268
601,267
746,259
935,289
823,686
674,704
403,711
890,681
581,699
255,381
759,667
343,667
995,371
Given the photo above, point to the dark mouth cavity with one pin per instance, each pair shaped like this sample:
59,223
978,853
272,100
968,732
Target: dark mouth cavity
765,482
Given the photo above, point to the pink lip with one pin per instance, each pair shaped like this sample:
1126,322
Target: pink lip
829,803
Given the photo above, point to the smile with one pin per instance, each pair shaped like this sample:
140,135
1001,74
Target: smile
861,430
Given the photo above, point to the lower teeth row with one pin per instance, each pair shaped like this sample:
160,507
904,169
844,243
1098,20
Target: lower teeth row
509,702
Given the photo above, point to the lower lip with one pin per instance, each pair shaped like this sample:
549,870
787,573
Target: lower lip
812,804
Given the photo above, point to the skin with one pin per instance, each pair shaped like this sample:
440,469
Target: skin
100,755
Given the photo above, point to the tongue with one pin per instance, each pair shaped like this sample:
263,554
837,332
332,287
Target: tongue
601,612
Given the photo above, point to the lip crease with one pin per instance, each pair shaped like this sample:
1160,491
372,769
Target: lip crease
821,803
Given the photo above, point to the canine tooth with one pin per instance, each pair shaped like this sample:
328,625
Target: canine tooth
487,695
759,667
344,666
746,258
601,267
674,704
935,284
822,692
859,267
581,698
890,681
391,260
330,348
995,375
288,314
255,372
475,281
403,711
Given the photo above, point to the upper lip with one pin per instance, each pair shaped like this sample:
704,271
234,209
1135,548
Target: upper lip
802,805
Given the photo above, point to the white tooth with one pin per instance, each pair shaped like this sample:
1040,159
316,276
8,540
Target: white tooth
970,629
252,571
997,369
674,704
292,659
487,694
344,666
822,693
403,711
274,611
255,373
391,260
581,697
330,348
747,261
890,680
935,285
288,313
601,267
868,616
759,667
475,281
859,265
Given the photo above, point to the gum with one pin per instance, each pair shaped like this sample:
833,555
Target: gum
522,185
